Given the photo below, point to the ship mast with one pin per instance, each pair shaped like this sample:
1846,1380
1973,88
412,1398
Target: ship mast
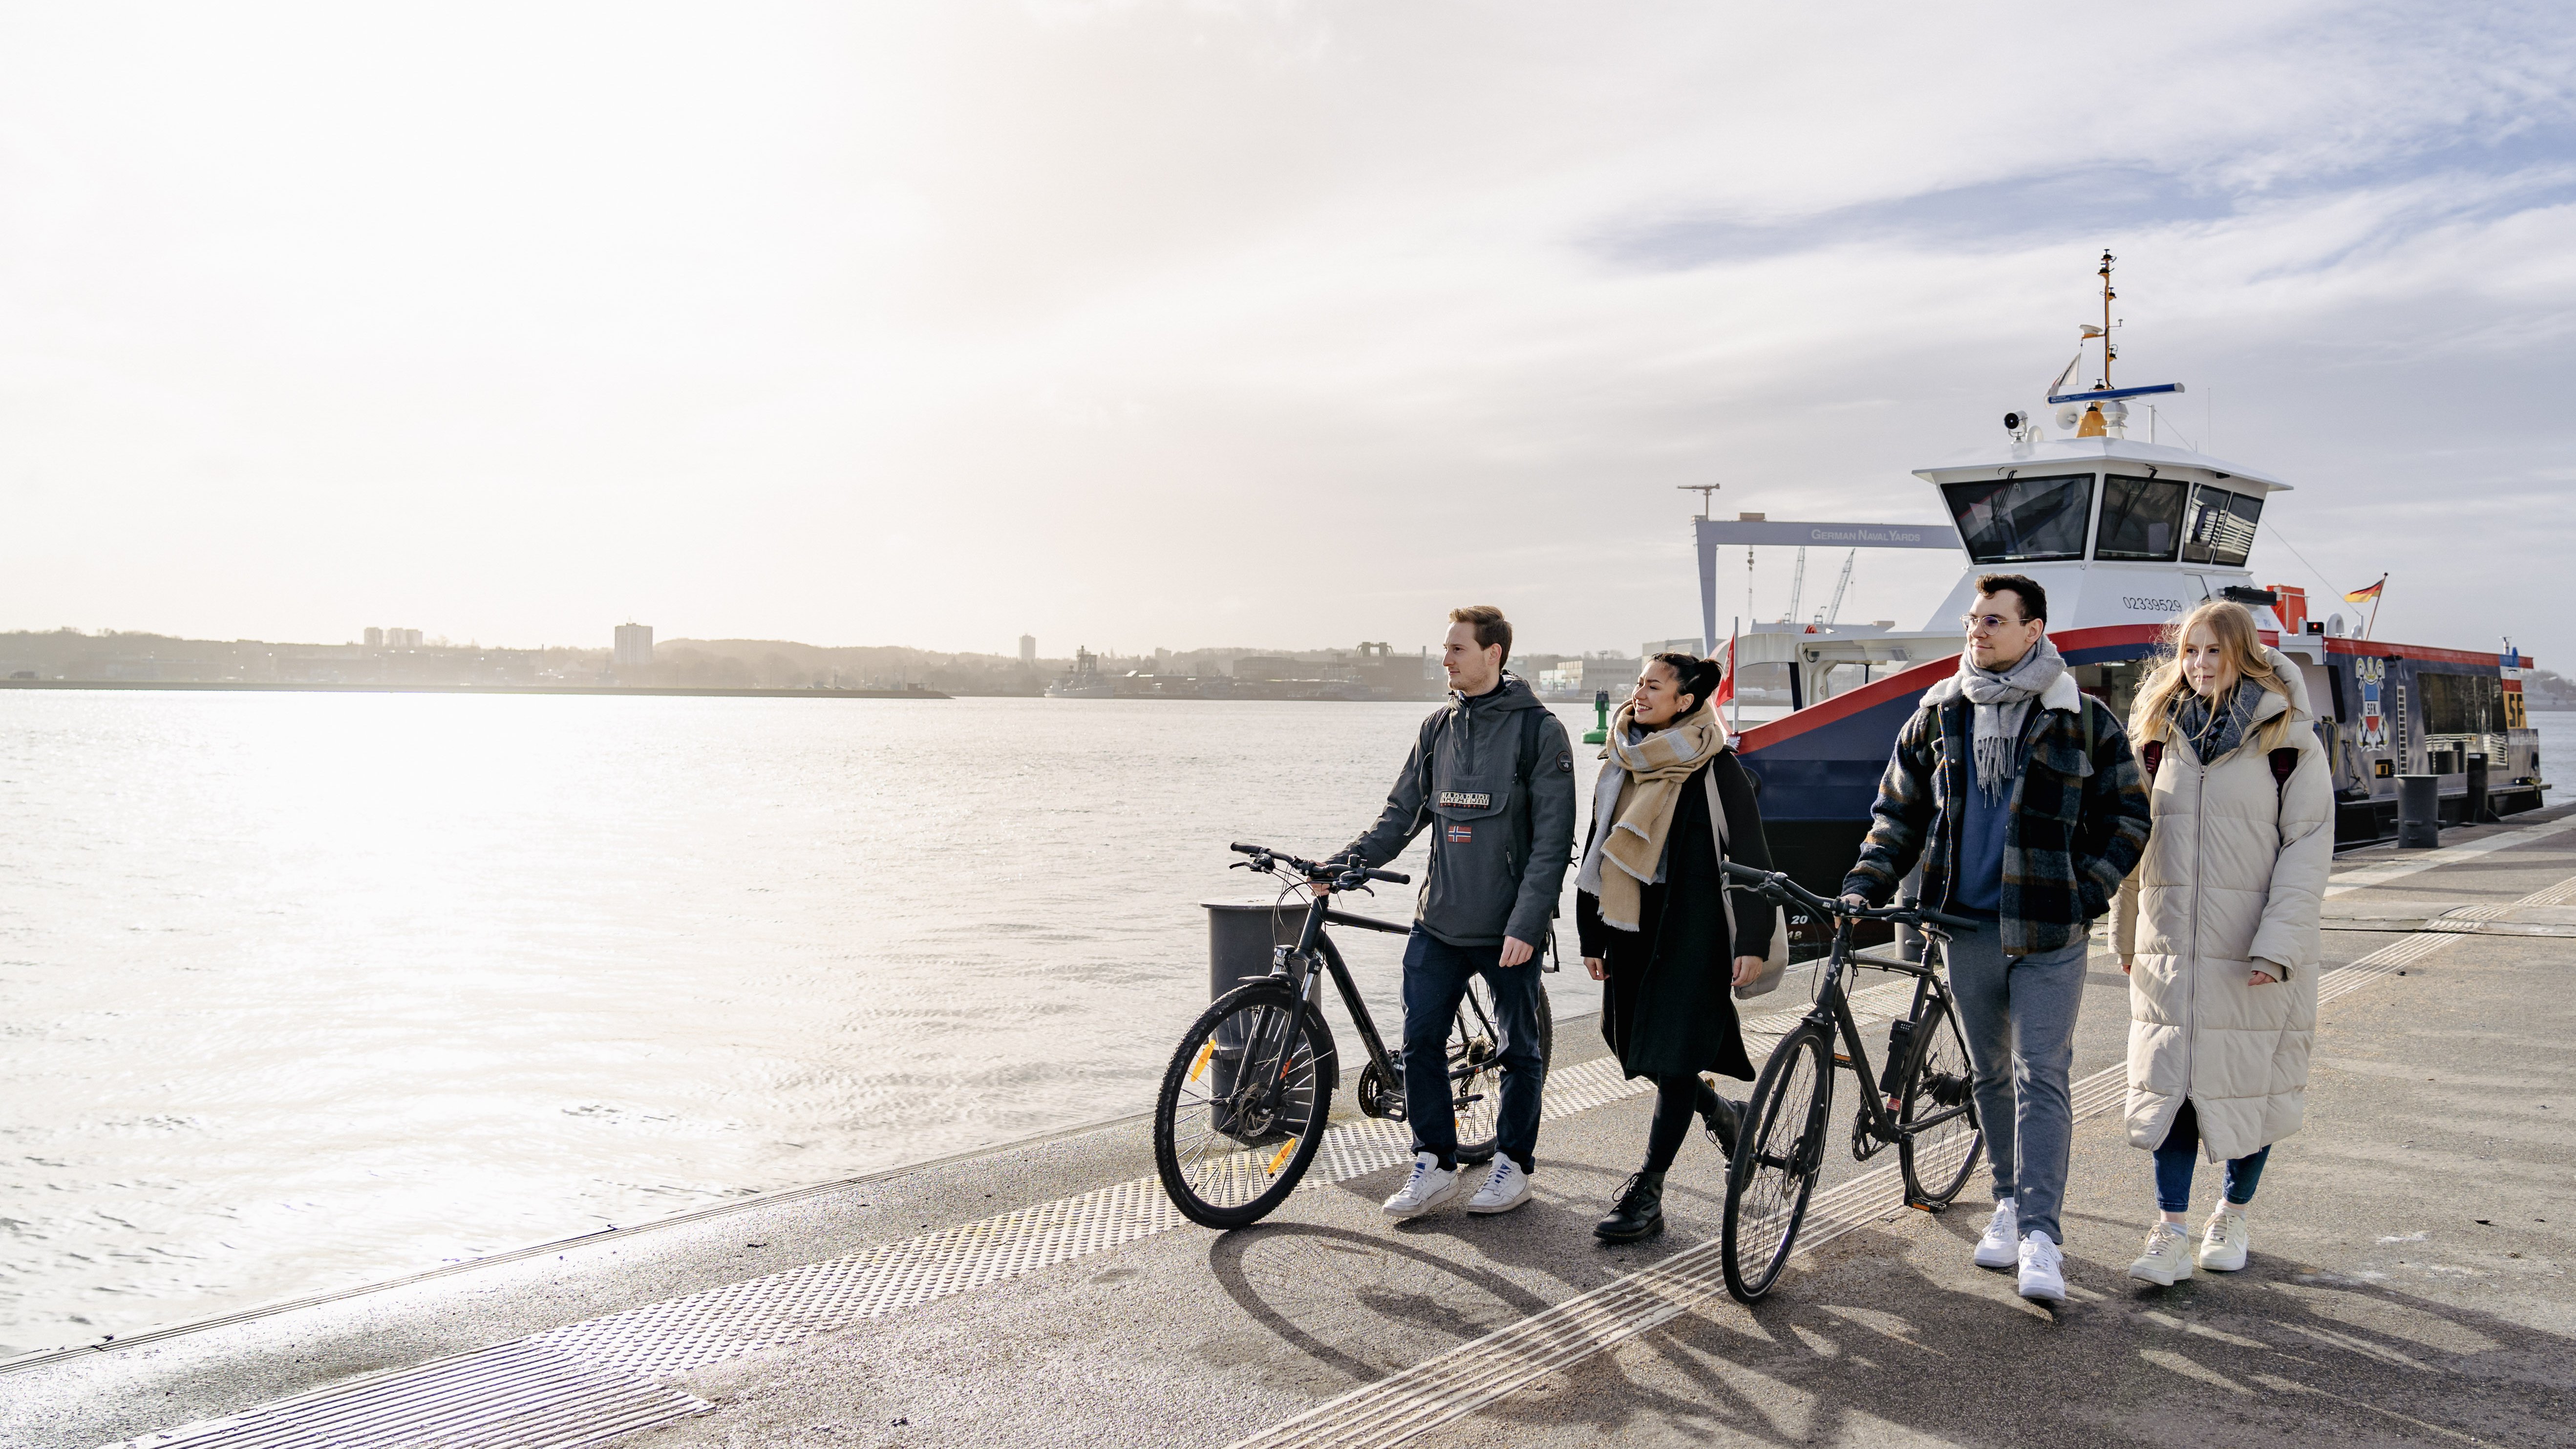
2109,351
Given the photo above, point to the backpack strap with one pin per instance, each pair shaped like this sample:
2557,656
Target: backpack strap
2285,763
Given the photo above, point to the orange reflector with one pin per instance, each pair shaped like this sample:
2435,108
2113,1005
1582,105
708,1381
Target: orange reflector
1200,1065
1282,1158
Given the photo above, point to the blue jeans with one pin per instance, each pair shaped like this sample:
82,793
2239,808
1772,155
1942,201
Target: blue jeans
2180,1154
1435,978
2018,1014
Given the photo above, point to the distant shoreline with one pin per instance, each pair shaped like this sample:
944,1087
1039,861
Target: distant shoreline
609,689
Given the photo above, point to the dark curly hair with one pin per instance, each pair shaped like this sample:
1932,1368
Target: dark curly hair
1698,677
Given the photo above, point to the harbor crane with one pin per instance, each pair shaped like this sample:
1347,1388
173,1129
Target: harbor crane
1834,610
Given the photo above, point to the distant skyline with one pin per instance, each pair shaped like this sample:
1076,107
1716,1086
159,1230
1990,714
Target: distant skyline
1194,325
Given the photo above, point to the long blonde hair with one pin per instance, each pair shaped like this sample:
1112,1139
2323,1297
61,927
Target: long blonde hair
2232,625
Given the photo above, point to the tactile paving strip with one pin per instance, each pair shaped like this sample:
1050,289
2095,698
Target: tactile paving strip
1473,1375
514,1394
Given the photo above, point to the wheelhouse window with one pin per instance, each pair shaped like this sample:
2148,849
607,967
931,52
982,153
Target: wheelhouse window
2221,526
2022,520
2141,518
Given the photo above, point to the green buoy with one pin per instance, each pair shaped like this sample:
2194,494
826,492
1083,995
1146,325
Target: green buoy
1600,730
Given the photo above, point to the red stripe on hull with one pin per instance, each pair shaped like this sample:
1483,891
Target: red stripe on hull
2382,649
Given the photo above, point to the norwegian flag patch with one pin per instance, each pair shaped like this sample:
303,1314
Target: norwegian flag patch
1461,834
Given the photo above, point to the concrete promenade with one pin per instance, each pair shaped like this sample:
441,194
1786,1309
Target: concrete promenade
2409,1280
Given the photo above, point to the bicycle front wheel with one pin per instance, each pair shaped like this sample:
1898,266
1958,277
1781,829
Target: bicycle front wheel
1779,1151
1937,1107
1476,1067
1243,1106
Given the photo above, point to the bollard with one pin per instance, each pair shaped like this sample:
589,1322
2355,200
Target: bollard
2475,811
2419,812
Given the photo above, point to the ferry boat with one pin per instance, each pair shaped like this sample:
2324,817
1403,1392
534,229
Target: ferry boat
2125,535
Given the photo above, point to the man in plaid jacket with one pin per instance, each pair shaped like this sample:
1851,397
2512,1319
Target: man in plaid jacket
2024,804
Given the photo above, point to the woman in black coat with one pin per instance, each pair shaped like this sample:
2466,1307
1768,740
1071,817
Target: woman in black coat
1652,914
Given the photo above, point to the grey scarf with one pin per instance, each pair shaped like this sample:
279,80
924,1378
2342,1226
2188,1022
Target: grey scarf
2214,735
2002,702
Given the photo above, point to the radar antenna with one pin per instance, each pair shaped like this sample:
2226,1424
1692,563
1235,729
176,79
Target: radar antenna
1706,491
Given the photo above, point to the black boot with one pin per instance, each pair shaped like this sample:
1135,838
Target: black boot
1722,1118
1639,1213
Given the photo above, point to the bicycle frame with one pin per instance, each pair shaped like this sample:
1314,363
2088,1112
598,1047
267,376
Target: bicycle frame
1296,964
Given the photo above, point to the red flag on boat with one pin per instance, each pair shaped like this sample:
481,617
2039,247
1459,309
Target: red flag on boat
1726,685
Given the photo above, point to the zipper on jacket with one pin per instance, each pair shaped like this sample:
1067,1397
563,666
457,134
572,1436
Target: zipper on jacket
2191,993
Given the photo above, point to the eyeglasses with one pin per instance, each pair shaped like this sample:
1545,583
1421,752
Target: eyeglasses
1990,621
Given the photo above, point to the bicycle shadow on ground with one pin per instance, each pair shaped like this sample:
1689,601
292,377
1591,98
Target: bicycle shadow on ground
1870,1342
1361,1304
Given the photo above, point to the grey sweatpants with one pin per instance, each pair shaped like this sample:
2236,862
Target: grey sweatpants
2019,1017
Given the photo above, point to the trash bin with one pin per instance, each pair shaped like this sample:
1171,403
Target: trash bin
1241,937
2419,812
2475,811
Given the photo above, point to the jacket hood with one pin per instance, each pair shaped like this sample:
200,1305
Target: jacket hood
2290,674
2060,694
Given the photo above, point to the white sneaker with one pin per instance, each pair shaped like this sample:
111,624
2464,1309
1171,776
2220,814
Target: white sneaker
1430,1186
1507,1188
2043,1268
2001,1246
2167,1260
2224,1241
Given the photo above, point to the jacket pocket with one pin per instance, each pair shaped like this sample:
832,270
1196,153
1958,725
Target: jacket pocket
1472,886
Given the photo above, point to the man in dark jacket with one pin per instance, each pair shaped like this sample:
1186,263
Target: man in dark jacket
1493,771
2023,803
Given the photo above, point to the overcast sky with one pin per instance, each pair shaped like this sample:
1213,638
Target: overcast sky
1268,324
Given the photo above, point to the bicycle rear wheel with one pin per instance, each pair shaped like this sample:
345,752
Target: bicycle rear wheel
1475,1066
1779,1152
1937,1107
1243,1106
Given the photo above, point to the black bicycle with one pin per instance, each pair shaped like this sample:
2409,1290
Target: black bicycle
1249,1092
1923,1106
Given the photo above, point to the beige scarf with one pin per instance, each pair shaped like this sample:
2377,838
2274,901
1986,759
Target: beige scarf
1658,766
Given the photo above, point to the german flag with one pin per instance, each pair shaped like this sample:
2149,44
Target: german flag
2364,596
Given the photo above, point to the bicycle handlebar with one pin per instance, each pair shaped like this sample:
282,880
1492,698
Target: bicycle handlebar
1778,887
1315,870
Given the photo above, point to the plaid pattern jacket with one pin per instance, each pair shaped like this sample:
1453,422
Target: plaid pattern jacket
2078,823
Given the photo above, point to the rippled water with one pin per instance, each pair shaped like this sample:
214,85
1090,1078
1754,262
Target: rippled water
298,991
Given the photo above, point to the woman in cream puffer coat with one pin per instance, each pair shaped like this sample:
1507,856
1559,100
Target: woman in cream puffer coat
2217,927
